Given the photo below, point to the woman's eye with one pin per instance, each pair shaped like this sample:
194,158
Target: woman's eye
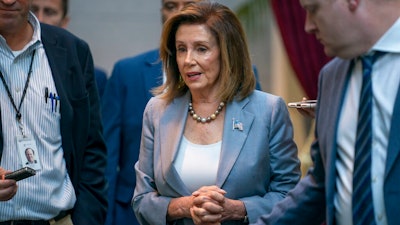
201,49
180,49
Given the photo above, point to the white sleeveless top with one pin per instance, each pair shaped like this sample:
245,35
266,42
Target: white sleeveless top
197,165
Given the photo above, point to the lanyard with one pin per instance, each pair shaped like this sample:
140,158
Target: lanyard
18,112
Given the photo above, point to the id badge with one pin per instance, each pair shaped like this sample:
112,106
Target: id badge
28,152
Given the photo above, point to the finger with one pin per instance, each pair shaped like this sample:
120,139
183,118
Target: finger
8,189
194,216
206,189
213,196
202,199
3,172
307,112
211,218
201,216
212,208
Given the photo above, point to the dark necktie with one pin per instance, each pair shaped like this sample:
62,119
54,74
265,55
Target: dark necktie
363,208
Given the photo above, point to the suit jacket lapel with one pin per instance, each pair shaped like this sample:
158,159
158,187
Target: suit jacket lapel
57,57
233,139
173,124
331,95
394,140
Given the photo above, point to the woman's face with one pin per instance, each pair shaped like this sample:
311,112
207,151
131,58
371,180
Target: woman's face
198,58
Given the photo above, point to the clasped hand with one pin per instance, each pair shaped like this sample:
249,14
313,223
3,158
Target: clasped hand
210,207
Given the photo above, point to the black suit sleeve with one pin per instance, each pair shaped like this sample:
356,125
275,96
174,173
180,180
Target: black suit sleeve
91,205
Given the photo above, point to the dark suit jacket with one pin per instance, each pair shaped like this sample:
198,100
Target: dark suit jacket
81,130
311,201
101,80
126,95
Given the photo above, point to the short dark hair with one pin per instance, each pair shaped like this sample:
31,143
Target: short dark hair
236,70
64,7
33,151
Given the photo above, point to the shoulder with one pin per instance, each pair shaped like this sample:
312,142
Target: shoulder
335,66
60,36
100,73
155,108
264,98
155,102
262,103
159,105
146,65
149,58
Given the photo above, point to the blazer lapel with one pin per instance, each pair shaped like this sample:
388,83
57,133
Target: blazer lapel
336,100
394,140
57,57
233,138
173,124
330,105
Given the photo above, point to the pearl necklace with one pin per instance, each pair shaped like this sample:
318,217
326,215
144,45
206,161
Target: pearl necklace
205,119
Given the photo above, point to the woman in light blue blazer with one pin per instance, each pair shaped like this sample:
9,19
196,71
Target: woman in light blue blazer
213,149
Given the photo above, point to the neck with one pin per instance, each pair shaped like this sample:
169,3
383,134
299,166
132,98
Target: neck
205,96
207,99
19,37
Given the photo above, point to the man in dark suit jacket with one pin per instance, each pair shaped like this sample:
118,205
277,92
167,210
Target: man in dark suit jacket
352,31
75,112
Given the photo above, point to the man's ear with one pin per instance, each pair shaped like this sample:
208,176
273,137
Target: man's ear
65,22
353,4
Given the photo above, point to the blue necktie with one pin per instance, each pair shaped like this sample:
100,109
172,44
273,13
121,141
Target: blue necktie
363,208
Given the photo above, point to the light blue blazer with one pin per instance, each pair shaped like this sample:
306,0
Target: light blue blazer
258,165
312,201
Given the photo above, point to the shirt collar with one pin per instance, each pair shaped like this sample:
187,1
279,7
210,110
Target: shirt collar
36,28
390,41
